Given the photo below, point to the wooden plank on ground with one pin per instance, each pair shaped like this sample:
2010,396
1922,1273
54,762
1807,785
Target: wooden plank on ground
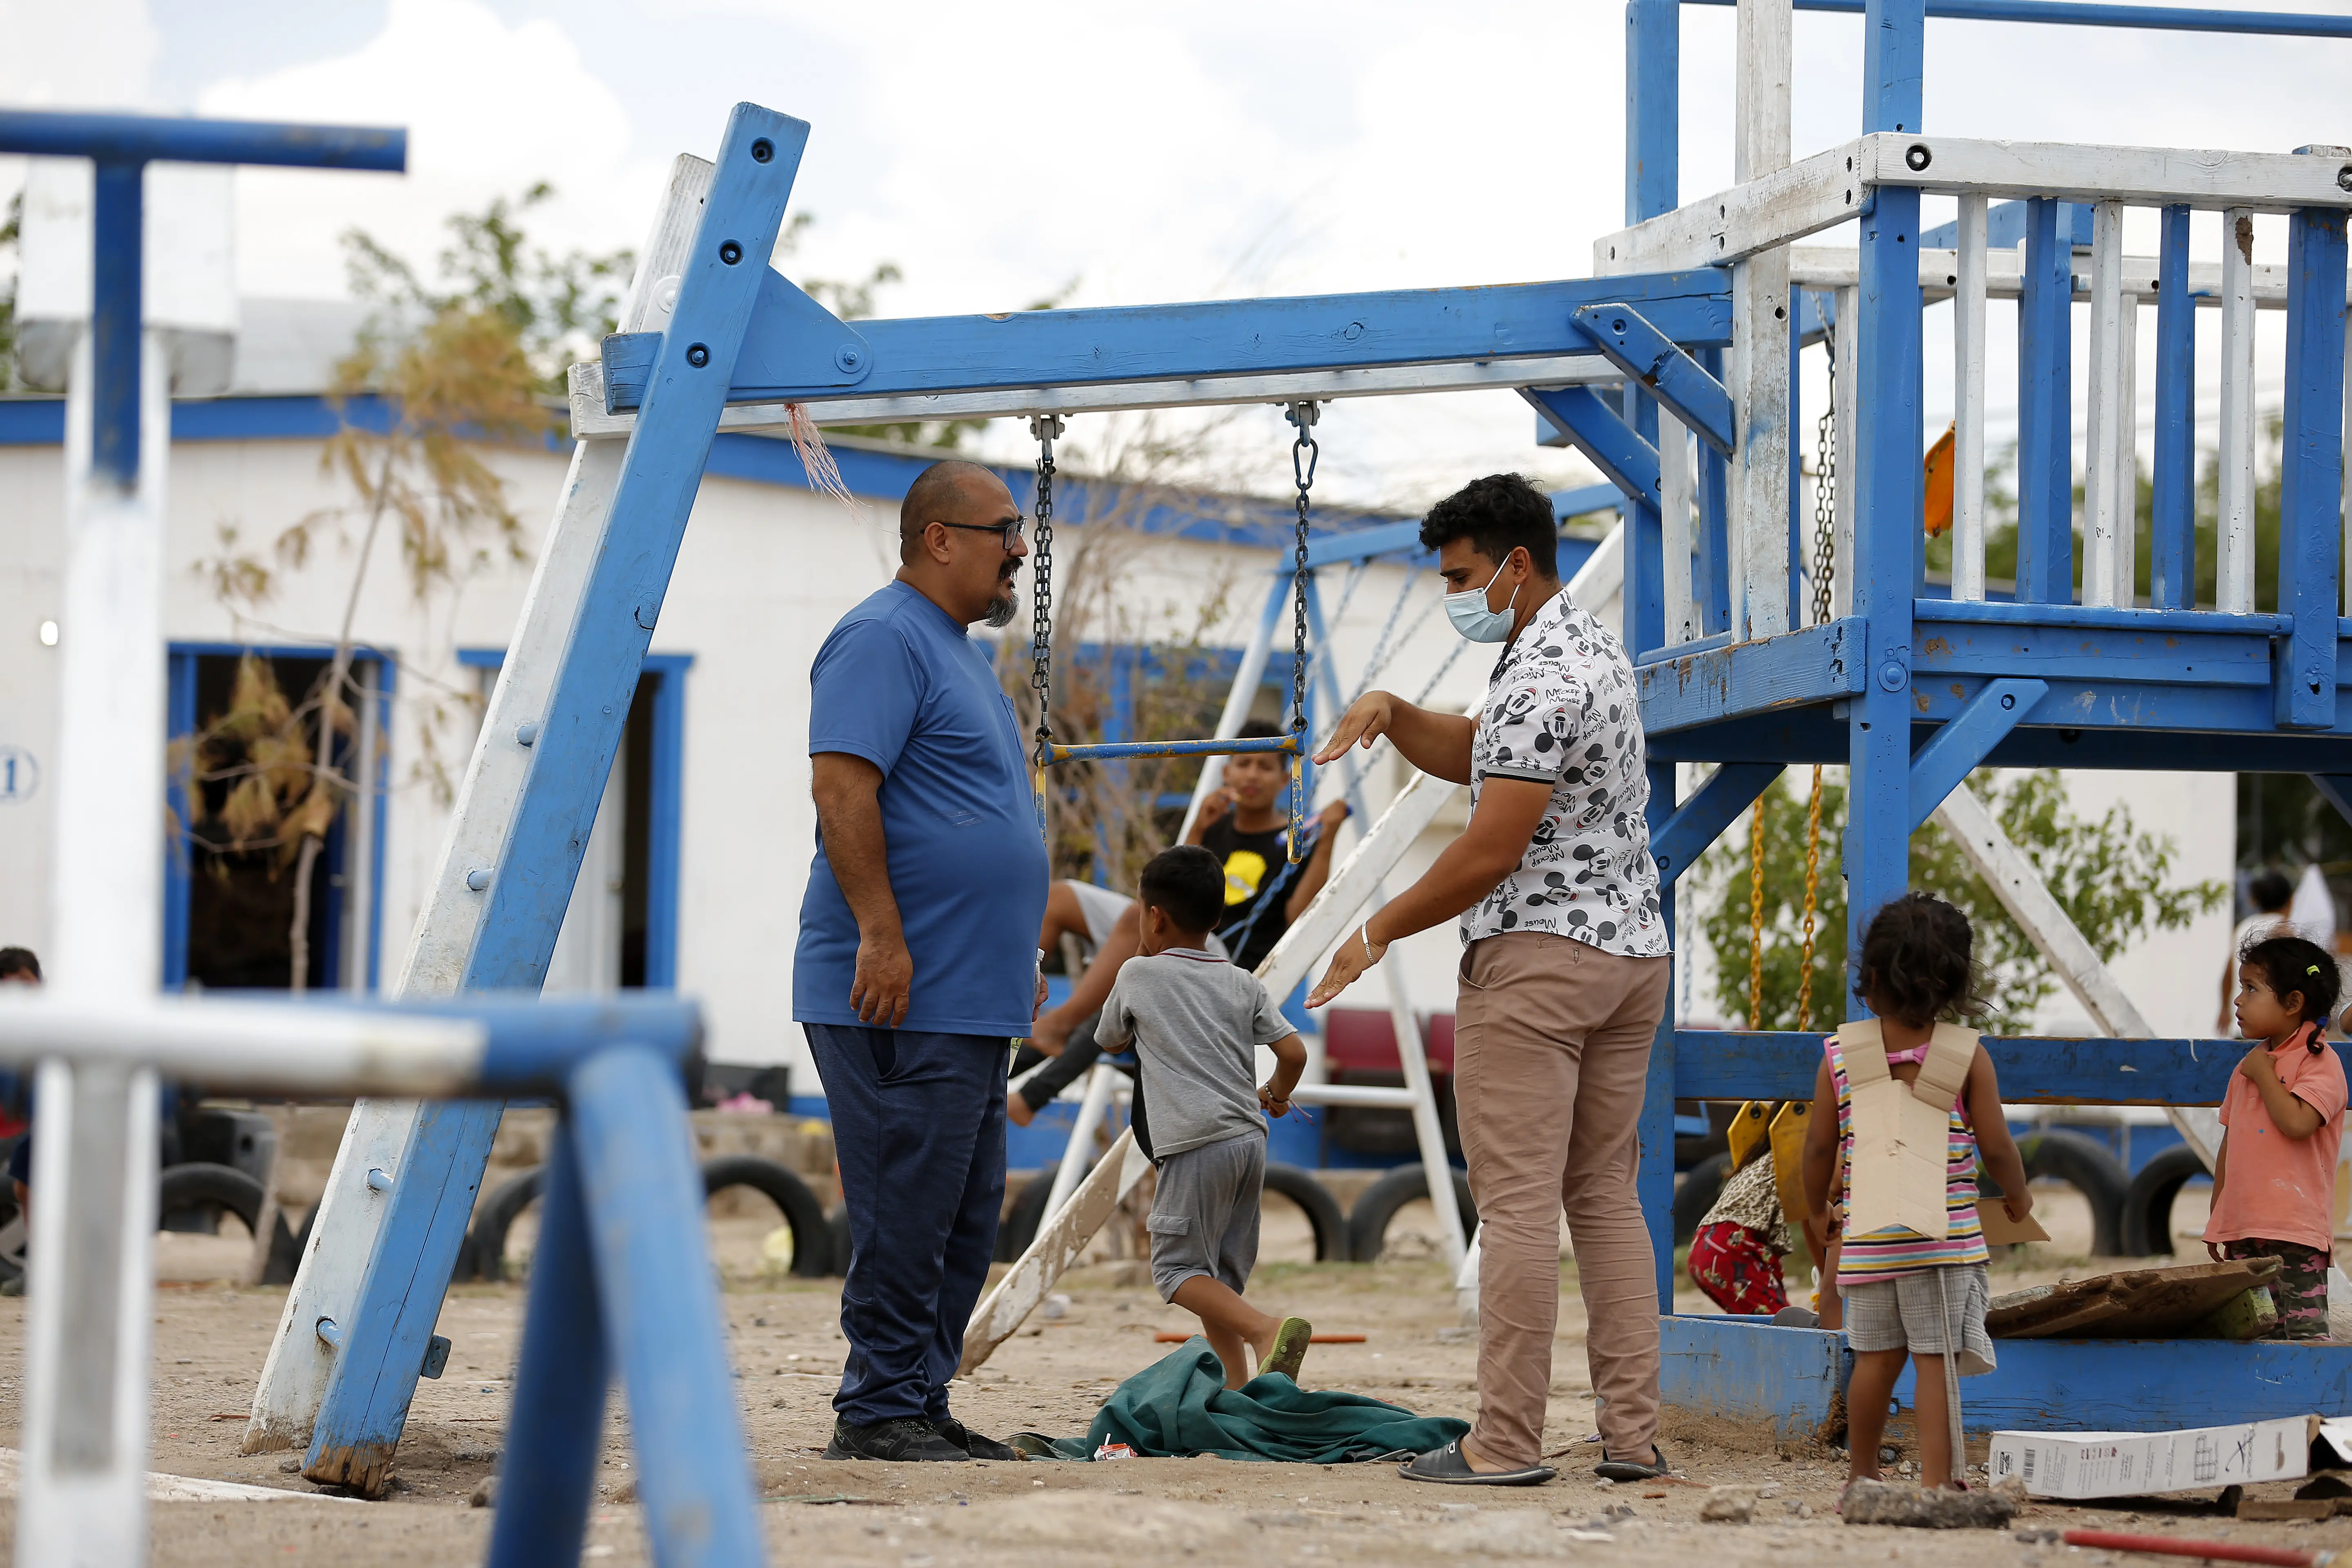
1058,1245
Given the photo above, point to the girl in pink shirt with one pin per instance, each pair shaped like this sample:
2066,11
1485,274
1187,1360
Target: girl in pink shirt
2274,1179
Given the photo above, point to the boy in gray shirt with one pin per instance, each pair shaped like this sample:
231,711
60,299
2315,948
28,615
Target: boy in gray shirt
1197,1022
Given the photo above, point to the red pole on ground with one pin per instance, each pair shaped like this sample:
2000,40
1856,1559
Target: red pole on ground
2173,1546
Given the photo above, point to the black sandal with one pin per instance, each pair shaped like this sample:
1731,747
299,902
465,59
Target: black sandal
1609,1469
1450,1466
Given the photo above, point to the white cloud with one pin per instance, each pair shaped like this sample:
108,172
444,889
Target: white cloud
97,53
489,108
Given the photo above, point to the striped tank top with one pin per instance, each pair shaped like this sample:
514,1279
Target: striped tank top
1893,1251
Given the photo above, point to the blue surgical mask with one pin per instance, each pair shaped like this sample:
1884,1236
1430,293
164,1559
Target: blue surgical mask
1468,612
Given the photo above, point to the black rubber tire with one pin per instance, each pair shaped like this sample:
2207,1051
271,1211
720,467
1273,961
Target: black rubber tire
1368,1222
1332,1242
814,1243
2054,1154
1697,1192
838,1223
221,1188
486,1247
2148,1202
1022,1220
812,1236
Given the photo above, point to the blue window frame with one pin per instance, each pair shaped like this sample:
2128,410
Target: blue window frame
200,942
652,751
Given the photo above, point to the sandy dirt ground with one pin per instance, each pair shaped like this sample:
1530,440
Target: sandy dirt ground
210,1339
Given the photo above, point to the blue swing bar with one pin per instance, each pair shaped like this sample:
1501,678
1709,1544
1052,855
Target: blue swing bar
1117,750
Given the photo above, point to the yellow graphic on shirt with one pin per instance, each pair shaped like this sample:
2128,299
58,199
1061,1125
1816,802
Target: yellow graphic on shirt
1245,870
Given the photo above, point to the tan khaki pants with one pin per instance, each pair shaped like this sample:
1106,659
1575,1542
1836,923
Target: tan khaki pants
1551,1045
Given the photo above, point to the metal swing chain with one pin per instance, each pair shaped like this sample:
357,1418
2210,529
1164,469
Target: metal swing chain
1046,428
1824,570
1304,452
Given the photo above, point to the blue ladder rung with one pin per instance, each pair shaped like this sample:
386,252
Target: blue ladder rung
1110,750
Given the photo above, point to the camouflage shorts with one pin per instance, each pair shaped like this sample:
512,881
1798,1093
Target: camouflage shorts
2300,1289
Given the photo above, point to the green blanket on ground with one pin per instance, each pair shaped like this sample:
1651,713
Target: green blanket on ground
1180,1406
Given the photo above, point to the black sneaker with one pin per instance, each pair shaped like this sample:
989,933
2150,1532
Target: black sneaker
906,1438
973,1445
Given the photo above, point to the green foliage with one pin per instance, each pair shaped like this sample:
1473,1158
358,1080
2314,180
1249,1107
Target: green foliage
2111,878
558,307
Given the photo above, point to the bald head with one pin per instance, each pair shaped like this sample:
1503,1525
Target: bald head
959,542
945,492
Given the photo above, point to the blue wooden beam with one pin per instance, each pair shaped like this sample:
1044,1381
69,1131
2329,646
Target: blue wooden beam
1817,664
1676,843
2172,525
793,355
1736,1064
1664,371
1653,172
1602,434
1888,503
148,138
1960,743
1749,1369
1788,737
2088,13
366,1401
2311,472
2005,228
2045,440
1712,574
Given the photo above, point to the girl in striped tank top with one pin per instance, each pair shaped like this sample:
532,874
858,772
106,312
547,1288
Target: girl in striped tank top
1904,1106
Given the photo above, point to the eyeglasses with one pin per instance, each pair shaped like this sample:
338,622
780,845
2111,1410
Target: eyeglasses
1009,532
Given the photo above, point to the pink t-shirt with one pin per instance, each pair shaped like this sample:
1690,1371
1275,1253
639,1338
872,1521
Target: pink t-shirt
2280,1188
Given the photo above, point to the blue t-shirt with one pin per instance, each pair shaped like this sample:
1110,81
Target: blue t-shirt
899,684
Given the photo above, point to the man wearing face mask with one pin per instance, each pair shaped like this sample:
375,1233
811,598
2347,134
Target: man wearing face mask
1564,976
917,959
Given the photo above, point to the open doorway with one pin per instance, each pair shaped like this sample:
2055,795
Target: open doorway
247,719
620,929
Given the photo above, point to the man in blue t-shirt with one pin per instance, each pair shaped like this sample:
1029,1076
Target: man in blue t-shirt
917,961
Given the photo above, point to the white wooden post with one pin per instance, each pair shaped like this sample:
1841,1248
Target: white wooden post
2106,435
2235,572
85,1424
1683,621
1967,434
2127,421
342,1236
1760,303
1100,1078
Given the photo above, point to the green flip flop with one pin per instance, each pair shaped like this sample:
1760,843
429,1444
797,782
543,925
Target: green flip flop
1289,1351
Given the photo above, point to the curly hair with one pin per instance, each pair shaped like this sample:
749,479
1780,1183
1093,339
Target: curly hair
2292,966
1499,514
1918,962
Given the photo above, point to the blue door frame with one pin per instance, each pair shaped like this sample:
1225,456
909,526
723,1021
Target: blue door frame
664,793
181,718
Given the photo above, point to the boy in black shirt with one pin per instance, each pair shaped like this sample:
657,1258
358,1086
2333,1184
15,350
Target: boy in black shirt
1241,826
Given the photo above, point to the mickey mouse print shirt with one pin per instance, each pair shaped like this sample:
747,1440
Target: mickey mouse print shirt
1561,710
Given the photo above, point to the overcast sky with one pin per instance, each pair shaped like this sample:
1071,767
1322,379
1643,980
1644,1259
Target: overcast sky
1148,152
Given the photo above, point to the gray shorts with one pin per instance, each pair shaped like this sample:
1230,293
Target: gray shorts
1926,1313
1204,1216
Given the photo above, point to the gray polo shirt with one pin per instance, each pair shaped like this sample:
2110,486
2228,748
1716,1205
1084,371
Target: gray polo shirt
1197,1022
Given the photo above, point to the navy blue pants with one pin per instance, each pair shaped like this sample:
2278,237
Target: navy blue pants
918,1129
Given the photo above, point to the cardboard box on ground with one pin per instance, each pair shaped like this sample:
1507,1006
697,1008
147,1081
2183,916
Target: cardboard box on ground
2077,1465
